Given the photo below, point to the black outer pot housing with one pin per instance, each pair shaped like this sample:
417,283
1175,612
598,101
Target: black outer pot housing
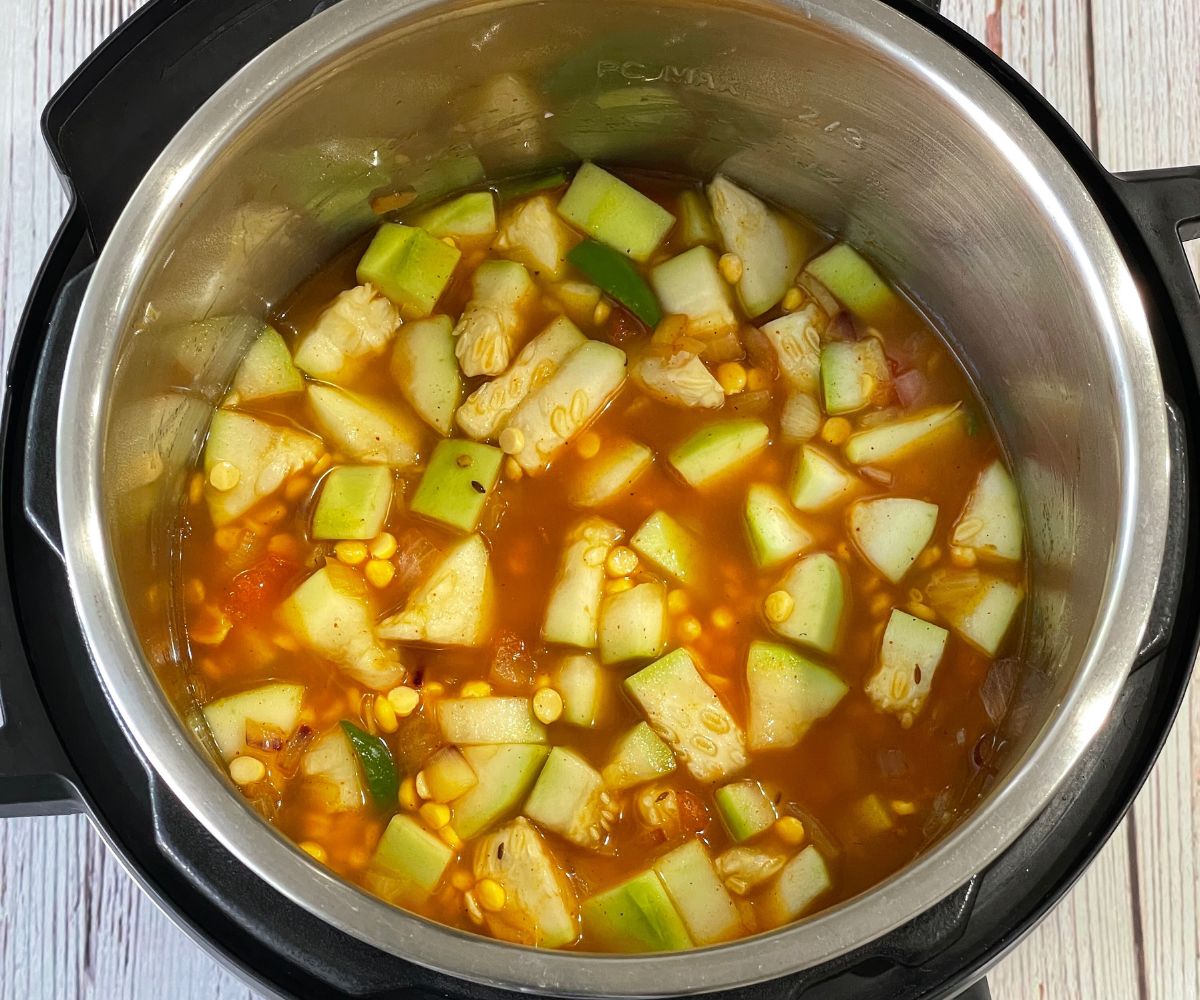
62,748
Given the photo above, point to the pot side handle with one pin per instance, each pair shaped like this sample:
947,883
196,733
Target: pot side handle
36,778
1165,206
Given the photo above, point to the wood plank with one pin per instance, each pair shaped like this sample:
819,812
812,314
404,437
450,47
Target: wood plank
1046,41
1147,82
72,922
1148,115
1086,946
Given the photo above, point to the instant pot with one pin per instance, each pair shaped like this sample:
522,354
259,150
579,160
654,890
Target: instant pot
1064,288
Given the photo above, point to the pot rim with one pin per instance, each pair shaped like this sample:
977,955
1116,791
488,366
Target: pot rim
156,730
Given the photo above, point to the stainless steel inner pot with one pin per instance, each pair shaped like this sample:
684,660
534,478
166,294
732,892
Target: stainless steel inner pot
844,109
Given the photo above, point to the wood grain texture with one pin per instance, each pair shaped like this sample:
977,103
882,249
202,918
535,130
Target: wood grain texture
1087,947
1146,119
1148,115
1125,73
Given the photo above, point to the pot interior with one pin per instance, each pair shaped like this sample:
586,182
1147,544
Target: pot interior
848,113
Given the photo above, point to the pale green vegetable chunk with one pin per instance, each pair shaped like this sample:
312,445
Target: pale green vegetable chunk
532,232
891,532
573,611
567,402
633,624
696,223
331,763
584,686
718,449
457,483
788,693
639,756
409,266
469,215
409,862
505,773
670,547
579,299
353,502
745,809
818,590
818,482
272,706
355,328
492,325
701,899
796,338
262,455
540,906
774,534
871,816
454,605
802,881
448,775
886,443
991,521
267,370
609,210
635,916
687,714
612,474
368,429
854,283
331,614
478,721
425,369
979,607
770,246
489,406
569,799
909,656
851,374
690,285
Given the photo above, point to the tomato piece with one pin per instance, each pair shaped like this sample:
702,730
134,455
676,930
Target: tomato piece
693,816
623,327
261,585
511,665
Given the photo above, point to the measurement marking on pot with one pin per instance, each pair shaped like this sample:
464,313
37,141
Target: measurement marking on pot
687,76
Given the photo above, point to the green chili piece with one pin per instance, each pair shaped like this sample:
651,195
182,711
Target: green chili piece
613,272
378,766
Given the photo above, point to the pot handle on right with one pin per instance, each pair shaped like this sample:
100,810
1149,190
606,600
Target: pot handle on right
1165,206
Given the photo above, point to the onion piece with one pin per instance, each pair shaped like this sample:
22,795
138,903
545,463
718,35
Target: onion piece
997,689
750,404
723,346
910,387
801,418
821,295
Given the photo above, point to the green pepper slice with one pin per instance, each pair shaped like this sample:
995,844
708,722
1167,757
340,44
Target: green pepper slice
377,762
519,187
613,272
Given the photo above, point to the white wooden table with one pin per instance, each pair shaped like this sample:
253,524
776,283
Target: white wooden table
1125,73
